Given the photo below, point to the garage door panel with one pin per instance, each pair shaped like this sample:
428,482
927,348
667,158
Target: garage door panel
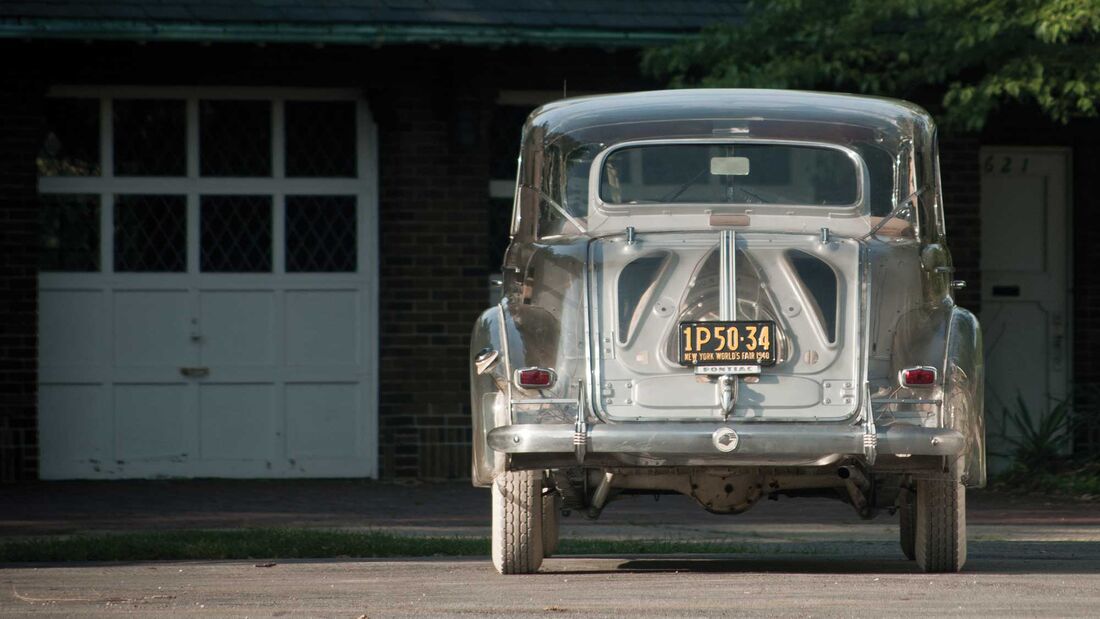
211,316
74,425
237,327
73,325
323,327
154,421
237,422
322,420
153,328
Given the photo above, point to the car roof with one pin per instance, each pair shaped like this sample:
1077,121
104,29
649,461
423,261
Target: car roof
706,111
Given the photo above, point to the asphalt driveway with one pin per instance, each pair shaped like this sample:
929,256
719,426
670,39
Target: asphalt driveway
1001,581
455,508
1028,556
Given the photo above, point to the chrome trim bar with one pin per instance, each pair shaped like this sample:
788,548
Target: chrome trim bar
870,432
727,276
727,310
754,439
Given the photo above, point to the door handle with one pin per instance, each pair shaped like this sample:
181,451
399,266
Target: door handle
198,372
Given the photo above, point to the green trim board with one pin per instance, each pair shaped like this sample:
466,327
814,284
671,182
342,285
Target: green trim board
338,34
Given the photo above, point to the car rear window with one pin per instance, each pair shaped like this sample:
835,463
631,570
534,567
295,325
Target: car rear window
789,174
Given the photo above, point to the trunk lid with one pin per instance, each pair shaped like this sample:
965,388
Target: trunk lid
640,291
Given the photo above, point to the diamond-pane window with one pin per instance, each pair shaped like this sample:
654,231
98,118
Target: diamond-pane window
321,234
235,234
150,137
235,138
150,233
70,232
71,147
320,138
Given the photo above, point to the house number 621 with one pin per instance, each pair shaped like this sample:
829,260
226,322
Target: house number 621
1005,164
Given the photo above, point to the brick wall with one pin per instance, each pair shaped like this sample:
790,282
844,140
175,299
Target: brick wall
434,222
434,202
434,170
1086,257
960,174
20,127
1086,290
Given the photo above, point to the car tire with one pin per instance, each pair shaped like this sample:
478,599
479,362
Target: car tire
907,523
517,522
941,525
551,522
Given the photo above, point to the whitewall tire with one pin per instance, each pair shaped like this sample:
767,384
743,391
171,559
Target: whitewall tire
517,522
940,540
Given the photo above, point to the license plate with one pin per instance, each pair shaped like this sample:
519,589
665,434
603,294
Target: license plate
727,343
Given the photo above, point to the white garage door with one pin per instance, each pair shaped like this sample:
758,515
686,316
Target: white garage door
208,287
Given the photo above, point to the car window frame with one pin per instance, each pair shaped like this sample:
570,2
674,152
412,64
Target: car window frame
595,200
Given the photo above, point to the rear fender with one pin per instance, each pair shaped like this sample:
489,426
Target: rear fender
488,393
964,393
949,339
519,336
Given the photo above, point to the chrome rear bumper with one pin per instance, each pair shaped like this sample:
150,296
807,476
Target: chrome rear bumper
713,439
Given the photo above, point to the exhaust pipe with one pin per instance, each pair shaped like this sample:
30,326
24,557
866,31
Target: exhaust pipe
858,486
599,497
853,475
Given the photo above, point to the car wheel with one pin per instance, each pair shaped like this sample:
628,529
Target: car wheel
551,522
517,522
941,525
907,523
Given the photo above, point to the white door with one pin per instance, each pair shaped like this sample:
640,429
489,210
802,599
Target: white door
1024,261
208,294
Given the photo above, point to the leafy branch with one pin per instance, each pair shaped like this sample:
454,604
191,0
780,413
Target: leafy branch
975,56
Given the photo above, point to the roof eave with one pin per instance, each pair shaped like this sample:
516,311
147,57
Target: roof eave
340,34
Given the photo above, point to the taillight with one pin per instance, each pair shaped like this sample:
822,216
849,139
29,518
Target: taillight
920,376
535,378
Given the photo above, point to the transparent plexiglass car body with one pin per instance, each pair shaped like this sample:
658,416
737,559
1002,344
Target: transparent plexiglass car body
733,295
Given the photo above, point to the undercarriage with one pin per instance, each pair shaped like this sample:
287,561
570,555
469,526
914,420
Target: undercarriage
930,503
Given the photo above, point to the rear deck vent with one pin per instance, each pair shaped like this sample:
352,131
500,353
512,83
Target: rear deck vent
637,284
820,281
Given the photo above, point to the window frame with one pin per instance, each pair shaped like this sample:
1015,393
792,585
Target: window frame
596,175
192,184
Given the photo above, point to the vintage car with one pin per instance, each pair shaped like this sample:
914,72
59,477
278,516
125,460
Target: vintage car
733,295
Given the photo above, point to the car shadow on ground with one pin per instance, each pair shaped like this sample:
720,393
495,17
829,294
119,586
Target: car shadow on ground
1008,557
985,557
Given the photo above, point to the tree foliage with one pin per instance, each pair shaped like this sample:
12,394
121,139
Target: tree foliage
974,55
